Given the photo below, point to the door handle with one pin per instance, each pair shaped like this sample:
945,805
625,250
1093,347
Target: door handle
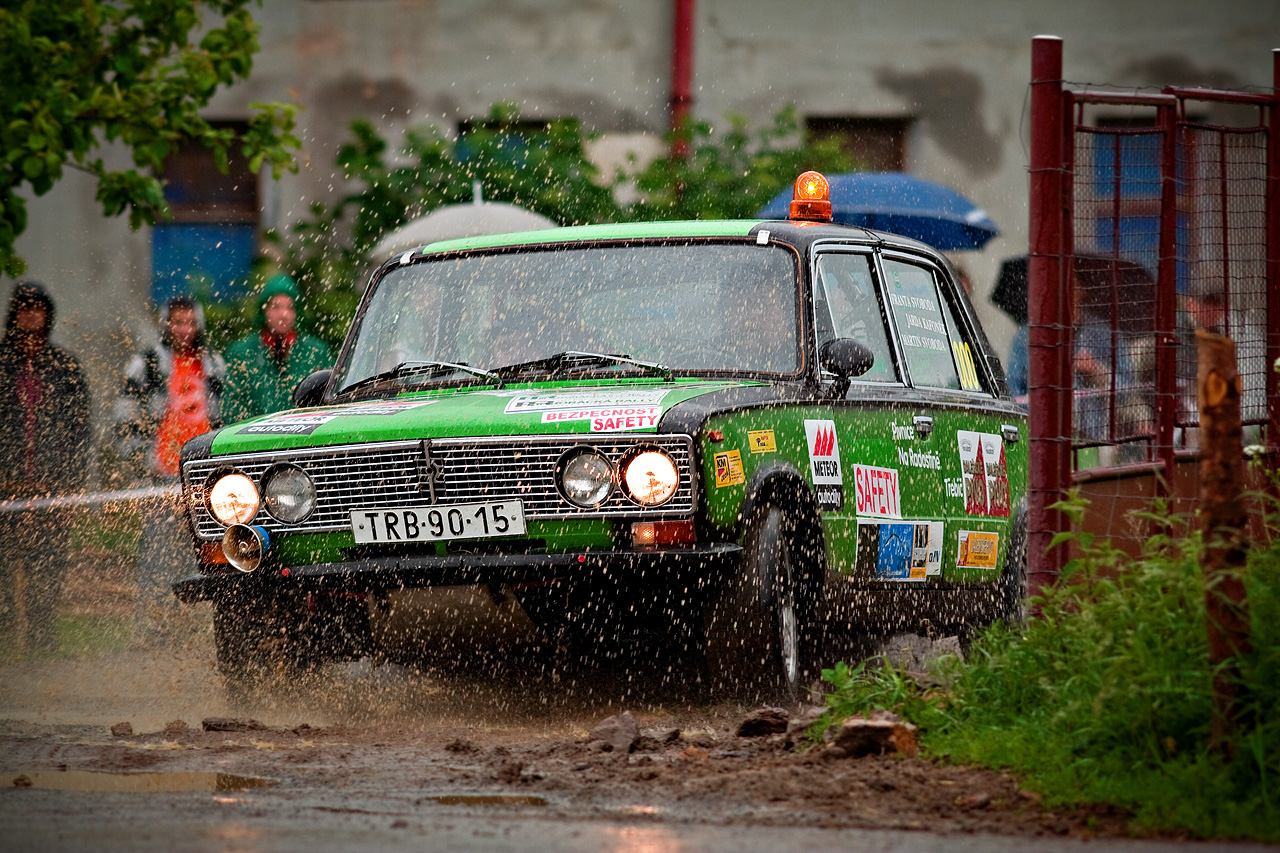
923,425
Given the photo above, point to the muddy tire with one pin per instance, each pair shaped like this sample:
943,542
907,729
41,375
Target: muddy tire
757,623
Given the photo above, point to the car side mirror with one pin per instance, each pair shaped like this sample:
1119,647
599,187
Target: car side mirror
310,391
845,357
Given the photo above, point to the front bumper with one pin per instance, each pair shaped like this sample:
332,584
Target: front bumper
382,574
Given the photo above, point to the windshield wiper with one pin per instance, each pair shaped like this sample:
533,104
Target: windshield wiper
570,359
410,368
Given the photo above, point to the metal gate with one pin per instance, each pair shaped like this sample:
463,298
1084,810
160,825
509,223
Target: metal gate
1148,221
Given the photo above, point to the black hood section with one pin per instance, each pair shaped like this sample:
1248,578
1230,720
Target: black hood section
688,417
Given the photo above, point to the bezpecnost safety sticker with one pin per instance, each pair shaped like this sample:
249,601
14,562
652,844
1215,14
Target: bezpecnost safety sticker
609,419
899,551
985,473
824,464
977,550
729,469
306,422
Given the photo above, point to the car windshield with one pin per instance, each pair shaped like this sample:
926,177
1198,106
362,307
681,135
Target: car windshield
688,308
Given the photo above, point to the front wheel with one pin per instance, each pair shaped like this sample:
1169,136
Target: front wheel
757,622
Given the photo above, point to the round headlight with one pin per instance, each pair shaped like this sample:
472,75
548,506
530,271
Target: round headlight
233,498
651,477
585,477
289,494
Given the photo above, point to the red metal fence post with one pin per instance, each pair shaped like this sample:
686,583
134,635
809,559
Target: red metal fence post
1046,473
1273,267
1166,378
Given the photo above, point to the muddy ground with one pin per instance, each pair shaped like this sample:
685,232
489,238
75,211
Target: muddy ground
501,731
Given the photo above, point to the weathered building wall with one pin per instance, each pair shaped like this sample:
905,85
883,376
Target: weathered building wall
959,70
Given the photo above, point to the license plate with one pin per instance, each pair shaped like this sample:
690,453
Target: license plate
434,523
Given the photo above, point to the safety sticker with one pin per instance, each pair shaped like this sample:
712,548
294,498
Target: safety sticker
308,421
877,491
905,551
986,475
729,469
978,549
964,366
609,419
824,464
570,400
762,441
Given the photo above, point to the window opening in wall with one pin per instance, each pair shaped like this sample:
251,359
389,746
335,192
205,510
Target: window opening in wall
206,250
880,144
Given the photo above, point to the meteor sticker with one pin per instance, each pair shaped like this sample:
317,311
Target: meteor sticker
905,551
762,441
609,419
986,476
824,464
729,469
877,491
978,549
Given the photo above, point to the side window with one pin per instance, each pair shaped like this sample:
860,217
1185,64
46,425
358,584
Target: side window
848,307
937,355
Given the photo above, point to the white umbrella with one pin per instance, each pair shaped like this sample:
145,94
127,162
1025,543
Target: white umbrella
459,220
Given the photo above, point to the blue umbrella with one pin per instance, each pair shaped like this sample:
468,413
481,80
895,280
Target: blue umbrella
901,204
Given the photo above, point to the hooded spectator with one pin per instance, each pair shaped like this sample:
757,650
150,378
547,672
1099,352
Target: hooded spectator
172,393
265,366
45,449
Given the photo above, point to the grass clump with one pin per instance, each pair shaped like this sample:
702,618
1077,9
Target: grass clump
1107,695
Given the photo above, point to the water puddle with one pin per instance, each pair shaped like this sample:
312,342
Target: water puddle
134,783
487,800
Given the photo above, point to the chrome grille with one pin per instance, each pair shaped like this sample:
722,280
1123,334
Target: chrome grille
386,475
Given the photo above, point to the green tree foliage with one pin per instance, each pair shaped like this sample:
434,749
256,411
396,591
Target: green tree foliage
76,75
732,175
543,168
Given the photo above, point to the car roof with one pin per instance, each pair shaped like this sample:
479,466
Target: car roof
796,233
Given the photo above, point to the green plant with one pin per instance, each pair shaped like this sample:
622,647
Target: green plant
75,74
1107,695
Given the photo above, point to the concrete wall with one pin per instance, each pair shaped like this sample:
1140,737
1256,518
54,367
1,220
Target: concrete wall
960,69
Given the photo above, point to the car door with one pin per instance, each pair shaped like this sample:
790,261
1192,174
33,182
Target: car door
958,446
882,533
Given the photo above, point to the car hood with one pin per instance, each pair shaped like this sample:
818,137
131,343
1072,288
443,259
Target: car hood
542,409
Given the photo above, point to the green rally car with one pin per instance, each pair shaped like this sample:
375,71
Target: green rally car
739,434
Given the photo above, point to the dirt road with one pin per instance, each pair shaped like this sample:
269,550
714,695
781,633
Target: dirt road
494,756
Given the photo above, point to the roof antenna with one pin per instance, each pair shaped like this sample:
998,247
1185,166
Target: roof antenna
477,196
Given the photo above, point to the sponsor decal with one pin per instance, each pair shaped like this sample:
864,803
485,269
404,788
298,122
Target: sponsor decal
978,549
964,366
609,419
306,422
729,469
877,491
904,551
911,458
902,432
824,464
762,441
592,399
985,473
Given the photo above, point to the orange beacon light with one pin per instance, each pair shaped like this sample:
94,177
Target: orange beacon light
811,198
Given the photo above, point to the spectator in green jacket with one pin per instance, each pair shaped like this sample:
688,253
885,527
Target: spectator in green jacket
265,366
